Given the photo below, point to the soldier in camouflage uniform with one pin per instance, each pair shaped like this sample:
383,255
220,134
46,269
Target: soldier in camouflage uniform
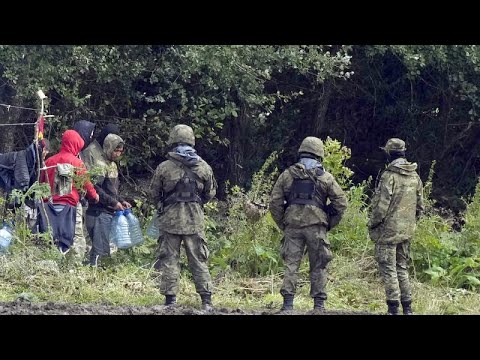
181,186
299,207
397,203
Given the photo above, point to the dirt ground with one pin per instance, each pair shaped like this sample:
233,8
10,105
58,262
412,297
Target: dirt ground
49,308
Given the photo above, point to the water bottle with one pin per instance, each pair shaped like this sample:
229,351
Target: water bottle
134,226
119,232
153,230
6,234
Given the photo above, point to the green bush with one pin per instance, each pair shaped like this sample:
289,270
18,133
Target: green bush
244,243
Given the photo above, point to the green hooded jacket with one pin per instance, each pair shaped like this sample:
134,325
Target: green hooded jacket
397,203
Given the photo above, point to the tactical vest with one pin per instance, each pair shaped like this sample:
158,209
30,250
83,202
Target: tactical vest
186,190
303,192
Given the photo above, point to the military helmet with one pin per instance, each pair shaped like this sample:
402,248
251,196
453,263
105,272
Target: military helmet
181,134
312,145
394,144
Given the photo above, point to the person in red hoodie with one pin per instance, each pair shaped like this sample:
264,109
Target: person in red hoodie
60,171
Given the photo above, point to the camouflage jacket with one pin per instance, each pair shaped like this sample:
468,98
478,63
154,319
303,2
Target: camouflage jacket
397,203
93,154
106,180
182,217
297,216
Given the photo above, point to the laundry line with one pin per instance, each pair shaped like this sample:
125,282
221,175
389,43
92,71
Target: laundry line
18,107
19,124
22,124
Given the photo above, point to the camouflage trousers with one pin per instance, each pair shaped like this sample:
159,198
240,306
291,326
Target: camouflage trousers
393,266
79,246
314,240
168,262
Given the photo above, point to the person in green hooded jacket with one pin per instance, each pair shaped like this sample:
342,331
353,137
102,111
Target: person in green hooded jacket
397,203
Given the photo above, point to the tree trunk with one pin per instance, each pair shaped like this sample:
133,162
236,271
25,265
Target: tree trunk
8,134
238,140
321,107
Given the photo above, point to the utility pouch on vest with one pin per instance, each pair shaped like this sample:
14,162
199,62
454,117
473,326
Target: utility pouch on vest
302,192
186,189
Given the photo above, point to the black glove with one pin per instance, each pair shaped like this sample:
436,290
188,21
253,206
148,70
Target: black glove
330,210
83,201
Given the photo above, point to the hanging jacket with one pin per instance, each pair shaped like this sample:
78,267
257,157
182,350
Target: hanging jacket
17,169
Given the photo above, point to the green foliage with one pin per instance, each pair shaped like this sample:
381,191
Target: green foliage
430,247
22,235
446,257
350,237
428,186
472,215
334,162
249,246
263,181
37,191
81,177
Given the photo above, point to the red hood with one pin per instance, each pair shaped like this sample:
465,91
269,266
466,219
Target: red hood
72,142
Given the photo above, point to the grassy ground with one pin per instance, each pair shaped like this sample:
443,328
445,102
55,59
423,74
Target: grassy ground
45,275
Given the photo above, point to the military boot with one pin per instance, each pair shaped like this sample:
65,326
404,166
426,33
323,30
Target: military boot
170,300
287,302
393,307
318,304
206,302
407,307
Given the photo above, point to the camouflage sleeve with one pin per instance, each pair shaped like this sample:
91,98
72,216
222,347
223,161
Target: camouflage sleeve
277,201
338,201
210,187
381,201
88,159
156,186
420,205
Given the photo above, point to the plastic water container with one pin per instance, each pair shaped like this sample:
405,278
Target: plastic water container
119,231
136,235
153,229
6,234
